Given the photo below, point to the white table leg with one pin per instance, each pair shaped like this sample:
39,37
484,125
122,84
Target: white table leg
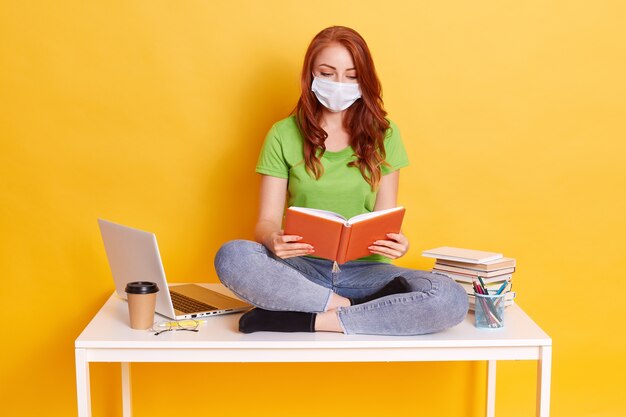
544,370
491,388
83,391
127,403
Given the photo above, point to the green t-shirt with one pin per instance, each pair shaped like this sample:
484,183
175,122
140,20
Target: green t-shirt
341,188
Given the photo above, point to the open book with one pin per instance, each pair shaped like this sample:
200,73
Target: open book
339,239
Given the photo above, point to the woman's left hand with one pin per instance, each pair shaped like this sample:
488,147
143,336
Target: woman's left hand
396,246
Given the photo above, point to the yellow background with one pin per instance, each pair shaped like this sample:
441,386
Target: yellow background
151,113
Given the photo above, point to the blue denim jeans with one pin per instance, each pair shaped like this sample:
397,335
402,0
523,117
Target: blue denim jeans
256,275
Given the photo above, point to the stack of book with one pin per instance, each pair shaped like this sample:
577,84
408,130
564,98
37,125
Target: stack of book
466,266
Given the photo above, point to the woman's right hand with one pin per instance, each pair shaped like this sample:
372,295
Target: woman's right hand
287,246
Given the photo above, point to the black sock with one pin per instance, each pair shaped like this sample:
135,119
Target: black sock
259,320
397,285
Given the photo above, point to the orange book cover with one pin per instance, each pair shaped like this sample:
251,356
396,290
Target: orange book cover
337,238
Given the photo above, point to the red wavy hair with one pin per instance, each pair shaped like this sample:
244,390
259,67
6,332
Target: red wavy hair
364,120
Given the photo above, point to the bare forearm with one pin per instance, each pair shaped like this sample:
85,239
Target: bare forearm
268,230
264,230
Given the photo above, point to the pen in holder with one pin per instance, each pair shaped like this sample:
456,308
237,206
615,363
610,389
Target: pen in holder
489,308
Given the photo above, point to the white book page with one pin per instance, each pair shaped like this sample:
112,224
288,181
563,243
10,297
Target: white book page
371,215
495,261
321,213
461,255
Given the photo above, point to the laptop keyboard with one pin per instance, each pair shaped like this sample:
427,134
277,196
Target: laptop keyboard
189,305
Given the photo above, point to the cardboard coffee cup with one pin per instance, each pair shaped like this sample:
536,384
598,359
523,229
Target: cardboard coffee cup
141,303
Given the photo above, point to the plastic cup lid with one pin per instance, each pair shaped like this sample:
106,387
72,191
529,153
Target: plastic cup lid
141,287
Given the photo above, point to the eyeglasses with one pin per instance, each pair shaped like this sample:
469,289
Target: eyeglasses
168,326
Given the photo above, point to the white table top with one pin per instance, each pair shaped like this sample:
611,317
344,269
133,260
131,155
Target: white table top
110,329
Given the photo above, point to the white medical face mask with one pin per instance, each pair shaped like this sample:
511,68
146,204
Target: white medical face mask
334,96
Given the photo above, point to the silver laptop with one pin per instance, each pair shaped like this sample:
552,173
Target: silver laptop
134,256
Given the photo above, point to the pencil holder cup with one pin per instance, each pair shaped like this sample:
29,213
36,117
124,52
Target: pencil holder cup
489,311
